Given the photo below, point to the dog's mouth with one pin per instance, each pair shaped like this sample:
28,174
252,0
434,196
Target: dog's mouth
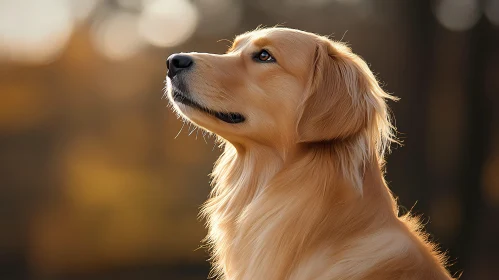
230,117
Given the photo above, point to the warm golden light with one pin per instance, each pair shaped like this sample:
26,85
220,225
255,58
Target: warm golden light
100,180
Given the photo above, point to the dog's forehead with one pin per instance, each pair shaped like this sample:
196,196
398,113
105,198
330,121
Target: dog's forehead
274,36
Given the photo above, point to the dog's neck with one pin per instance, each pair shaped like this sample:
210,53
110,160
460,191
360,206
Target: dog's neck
260,195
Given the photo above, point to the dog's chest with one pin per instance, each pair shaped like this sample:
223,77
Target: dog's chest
261,242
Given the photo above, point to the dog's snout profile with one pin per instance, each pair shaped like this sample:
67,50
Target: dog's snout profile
177,62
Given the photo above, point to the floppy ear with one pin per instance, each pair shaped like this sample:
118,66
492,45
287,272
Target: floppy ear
345,101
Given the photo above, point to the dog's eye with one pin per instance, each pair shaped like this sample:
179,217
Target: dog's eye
264,56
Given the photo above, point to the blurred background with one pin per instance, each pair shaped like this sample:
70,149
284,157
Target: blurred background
94,184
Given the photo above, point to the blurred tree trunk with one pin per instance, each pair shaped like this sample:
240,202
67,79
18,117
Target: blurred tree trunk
422,30
474,155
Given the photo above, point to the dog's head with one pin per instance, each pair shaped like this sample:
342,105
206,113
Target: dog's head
280,86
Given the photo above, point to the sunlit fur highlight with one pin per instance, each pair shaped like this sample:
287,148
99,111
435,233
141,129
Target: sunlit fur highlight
309,201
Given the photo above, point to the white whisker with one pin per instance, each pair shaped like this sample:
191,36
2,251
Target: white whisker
179,130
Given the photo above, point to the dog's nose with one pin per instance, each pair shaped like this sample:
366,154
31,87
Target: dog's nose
177,62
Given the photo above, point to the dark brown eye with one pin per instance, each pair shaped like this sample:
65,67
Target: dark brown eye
264,56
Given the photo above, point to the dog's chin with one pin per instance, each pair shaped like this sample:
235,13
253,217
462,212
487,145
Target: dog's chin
184,102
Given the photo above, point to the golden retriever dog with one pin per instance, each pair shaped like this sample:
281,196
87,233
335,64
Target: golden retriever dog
299,190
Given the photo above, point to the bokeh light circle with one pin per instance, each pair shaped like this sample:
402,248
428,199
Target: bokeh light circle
168,23
117,36
492,11
458,15
34,31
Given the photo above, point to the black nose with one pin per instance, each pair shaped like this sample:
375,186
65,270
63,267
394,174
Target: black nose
177,62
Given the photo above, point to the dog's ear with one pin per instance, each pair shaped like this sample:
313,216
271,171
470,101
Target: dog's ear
345,100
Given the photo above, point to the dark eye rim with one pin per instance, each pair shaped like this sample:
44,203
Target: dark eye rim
256,57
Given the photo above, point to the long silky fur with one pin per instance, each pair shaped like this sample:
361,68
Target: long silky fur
322,211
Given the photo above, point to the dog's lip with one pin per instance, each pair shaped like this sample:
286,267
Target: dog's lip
230,117
178,96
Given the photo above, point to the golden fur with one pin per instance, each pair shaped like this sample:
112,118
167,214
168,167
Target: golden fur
298,192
